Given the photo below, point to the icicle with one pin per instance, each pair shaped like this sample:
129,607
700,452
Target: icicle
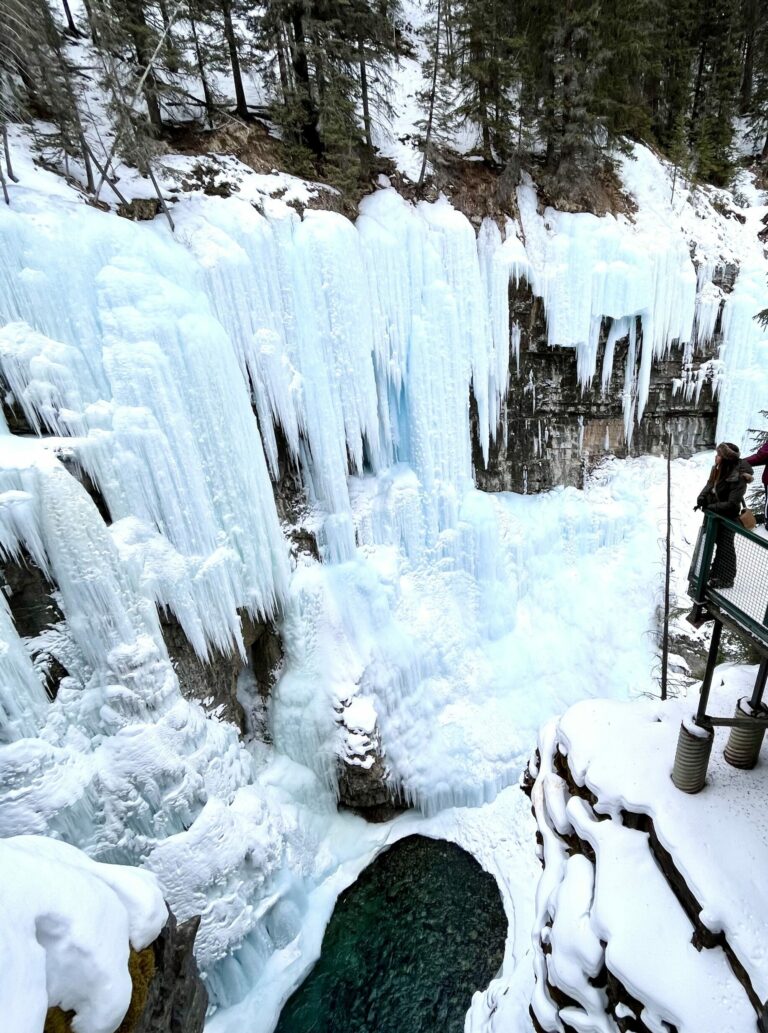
629,395
619,329
586,268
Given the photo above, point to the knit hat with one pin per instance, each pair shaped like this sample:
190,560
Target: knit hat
728,450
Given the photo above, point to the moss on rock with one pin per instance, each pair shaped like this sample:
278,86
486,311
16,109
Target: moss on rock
141,965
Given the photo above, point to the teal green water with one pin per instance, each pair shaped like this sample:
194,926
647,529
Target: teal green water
407,945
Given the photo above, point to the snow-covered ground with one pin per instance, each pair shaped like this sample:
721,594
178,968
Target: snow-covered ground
453,622
67,926
621,910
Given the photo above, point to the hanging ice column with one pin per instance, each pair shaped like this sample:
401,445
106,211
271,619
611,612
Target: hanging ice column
744,389
587,269
361,340
120,350
439,310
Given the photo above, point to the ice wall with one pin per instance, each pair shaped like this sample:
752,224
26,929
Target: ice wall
744,380
106,337
449,622
590,270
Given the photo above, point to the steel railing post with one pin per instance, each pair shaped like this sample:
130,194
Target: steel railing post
706,685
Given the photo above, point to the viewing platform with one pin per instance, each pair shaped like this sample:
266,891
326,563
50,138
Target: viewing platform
732,592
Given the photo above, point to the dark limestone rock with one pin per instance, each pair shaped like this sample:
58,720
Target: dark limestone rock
177,997
13,412
367,791
32,602
364,781
265,657
557,432
29,595
215,683
140,209
72,465
212,683
169,995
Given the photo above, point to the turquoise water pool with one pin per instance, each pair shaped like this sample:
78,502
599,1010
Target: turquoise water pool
407,945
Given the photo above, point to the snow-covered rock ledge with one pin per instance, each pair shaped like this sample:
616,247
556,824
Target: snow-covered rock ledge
652,907
89,947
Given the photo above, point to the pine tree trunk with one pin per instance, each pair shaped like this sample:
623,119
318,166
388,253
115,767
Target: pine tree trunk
310,134
171,53
7,150
4,186
432,94
164,15
751,25
89,19
89,183
449,48
140,30
476,54
160,198
101,169
364,92
697,91
201,72
71,27
282,63
229,32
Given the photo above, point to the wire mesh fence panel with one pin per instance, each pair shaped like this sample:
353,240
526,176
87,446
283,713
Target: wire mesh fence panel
695,569
737,578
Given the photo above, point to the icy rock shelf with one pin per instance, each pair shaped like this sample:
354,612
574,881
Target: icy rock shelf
431,623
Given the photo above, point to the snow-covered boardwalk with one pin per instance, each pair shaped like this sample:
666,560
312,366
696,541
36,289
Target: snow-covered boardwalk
652,910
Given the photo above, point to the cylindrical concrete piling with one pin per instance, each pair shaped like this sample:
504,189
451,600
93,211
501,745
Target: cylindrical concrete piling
743,747
692,757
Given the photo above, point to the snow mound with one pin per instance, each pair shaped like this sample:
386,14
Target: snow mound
68,924
660,889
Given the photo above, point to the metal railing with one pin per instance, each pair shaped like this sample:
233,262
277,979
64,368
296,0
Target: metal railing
729,576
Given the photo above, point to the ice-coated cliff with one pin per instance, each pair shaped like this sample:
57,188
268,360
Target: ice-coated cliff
444,622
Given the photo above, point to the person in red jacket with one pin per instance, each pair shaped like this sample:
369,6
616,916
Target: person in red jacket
760,458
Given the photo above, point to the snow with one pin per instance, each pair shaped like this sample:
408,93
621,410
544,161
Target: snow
623,753
444,623
68,923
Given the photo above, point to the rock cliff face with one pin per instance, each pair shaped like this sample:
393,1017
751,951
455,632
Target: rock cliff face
32,602
218,684
176,999
557,432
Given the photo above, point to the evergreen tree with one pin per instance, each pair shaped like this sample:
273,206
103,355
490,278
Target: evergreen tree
629,67
569,64
36,80
715,89
754,86
484,58
325,52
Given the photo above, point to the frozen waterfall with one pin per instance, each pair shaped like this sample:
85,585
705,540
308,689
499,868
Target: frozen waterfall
447,622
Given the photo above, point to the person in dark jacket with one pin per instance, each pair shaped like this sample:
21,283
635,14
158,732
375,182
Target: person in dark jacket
760,458
724,494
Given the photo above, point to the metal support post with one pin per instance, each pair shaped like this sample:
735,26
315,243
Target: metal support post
759,689
706,685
